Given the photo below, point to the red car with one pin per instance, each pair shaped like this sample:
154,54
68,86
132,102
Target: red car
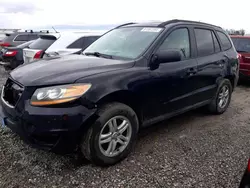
245,181
242,45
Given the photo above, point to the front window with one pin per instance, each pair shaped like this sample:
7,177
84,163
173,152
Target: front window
128,42
178,40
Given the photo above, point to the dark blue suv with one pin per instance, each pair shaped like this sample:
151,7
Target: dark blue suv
133,76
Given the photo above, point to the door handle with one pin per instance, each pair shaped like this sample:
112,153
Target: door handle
221,62
191,71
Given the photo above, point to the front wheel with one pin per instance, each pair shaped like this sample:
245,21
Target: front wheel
222,98
112,137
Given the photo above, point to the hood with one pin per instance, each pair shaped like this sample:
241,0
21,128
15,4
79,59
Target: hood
63,70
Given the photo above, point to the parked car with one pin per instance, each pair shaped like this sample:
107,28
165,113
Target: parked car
245,181
37,49
17,38
133,76
71,43
242,45
12,57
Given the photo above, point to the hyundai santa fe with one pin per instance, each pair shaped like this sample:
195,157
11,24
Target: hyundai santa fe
133,76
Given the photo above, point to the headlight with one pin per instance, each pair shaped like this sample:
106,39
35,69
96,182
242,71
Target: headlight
58,94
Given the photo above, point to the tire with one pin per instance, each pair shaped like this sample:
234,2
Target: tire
91,146
215,107
13,65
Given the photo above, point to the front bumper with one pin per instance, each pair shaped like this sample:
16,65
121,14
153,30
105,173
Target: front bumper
54,129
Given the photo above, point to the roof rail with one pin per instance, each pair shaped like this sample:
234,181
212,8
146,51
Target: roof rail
124,24
176,20
44,31
29,30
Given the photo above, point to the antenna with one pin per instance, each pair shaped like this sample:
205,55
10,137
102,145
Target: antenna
55,29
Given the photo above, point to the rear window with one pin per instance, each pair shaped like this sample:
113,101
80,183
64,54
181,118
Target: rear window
76,44
216,43
22,38
33,37
43,42
241,44
24,45
226,44
88,40
204,40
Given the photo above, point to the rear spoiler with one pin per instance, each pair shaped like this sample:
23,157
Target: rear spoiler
48,37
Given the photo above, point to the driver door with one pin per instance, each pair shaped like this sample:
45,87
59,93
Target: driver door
177,79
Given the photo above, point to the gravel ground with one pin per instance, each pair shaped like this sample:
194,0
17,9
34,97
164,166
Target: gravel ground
192,150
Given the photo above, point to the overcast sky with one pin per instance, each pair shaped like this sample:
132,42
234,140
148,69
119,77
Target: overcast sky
28,14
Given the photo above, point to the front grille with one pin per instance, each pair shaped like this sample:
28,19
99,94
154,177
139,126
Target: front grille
12,92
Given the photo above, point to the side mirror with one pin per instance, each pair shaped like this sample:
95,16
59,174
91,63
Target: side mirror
166,56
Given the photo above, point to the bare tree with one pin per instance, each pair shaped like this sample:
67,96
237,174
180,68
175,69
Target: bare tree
235,32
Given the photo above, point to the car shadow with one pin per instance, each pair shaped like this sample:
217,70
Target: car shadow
243,83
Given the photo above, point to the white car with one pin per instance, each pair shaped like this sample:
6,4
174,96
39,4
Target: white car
72,43
64,43
37,49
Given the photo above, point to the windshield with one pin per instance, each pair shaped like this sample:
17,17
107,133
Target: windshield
241,44
128,42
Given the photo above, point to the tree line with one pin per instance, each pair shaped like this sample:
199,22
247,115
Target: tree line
236,32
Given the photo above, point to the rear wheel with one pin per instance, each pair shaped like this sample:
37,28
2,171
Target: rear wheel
222,98
14,64
112,137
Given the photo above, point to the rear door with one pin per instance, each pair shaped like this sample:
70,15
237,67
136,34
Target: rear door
211,61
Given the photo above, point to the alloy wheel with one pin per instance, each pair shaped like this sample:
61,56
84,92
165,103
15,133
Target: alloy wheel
115,136
223,96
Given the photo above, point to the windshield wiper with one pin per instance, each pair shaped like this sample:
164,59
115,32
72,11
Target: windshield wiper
98,54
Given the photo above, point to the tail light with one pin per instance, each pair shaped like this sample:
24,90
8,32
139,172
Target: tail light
4,44
10,53
38,54
248,166
240,58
